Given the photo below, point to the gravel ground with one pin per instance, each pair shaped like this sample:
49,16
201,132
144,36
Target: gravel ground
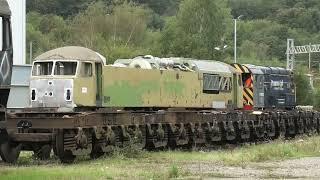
304,168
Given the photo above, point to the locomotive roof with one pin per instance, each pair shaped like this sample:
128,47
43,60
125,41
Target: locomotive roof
4,8
212,66
208,66
255,69
267,70
72,53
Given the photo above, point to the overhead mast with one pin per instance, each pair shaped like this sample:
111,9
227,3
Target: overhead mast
293,50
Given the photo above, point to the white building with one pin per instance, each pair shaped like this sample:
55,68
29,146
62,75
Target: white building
18,9
19,93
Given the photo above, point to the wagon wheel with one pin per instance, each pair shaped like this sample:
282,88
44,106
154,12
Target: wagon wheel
96,152
10,152
54,149
138,138
65,156
42,152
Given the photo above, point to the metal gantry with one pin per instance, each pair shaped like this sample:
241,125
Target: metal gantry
293,50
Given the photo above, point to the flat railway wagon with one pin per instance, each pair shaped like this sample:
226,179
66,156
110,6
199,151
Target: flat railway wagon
81,106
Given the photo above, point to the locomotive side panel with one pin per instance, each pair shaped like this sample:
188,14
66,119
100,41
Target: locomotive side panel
85,87
279,87
130,87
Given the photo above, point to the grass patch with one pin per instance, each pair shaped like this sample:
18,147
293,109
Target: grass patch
174,172
156,165
277,150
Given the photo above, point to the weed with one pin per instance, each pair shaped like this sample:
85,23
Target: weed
130,150
173,172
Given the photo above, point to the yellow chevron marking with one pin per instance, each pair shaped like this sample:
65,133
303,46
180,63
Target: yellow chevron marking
250,91
237,66
250,101
246,69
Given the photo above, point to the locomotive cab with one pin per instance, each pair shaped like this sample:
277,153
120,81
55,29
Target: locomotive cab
247,91
267,87
66,78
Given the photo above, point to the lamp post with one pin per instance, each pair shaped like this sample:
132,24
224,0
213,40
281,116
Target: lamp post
235,37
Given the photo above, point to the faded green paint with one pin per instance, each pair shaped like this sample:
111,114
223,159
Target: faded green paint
122,93
174,88
130,87
172,85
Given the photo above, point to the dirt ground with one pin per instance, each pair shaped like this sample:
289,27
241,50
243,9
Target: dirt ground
304,168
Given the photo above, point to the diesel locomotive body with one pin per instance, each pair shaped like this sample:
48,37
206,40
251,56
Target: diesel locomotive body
267,87
87,82
81,106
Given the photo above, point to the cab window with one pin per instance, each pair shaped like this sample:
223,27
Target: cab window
42,68
65,68
86,69
211,83
225,84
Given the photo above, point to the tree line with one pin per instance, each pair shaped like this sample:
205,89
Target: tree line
193,28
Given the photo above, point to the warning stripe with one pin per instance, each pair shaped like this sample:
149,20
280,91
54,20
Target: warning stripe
247,98
241,68
249,91
246,70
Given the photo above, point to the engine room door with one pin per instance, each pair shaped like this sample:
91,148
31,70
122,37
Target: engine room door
235,90
98,70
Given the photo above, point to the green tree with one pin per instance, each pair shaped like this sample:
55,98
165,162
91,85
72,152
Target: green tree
254,9
304,91
112,31
196,30
63,8
161,6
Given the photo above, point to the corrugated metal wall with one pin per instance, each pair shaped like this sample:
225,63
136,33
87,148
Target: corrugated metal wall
19,94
